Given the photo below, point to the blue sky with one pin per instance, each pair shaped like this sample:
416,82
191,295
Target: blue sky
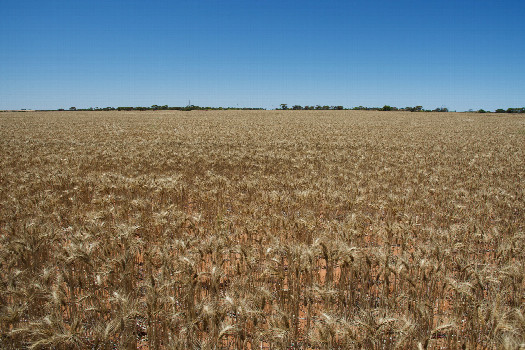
459,54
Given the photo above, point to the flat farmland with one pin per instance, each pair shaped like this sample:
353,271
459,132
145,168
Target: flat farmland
262,229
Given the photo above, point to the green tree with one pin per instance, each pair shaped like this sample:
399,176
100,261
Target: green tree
516,110
414,109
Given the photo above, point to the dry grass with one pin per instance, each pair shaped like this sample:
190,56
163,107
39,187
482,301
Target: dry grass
223,230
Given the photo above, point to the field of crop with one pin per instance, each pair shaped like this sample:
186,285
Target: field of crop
262,229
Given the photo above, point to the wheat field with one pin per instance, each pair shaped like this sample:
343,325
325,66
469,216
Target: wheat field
262,230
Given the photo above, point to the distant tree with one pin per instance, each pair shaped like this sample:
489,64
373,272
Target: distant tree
284,106
72,108
482,111
339,108
386,108
414,109
61,109
516,110
297,107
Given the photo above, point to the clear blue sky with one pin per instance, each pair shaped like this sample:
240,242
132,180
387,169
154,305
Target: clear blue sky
459,54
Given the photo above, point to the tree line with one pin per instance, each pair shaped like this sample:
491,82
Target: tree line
161,108
509,110
284,106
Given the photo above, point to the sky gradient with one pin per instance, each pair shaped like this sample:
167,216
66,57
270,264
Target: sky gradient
459,54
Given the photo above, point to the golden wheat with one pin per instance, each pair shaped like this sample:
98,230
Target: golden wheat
262,229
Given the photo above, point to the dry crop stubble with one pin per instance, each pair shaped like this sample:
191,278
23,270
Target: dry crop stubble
250,229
